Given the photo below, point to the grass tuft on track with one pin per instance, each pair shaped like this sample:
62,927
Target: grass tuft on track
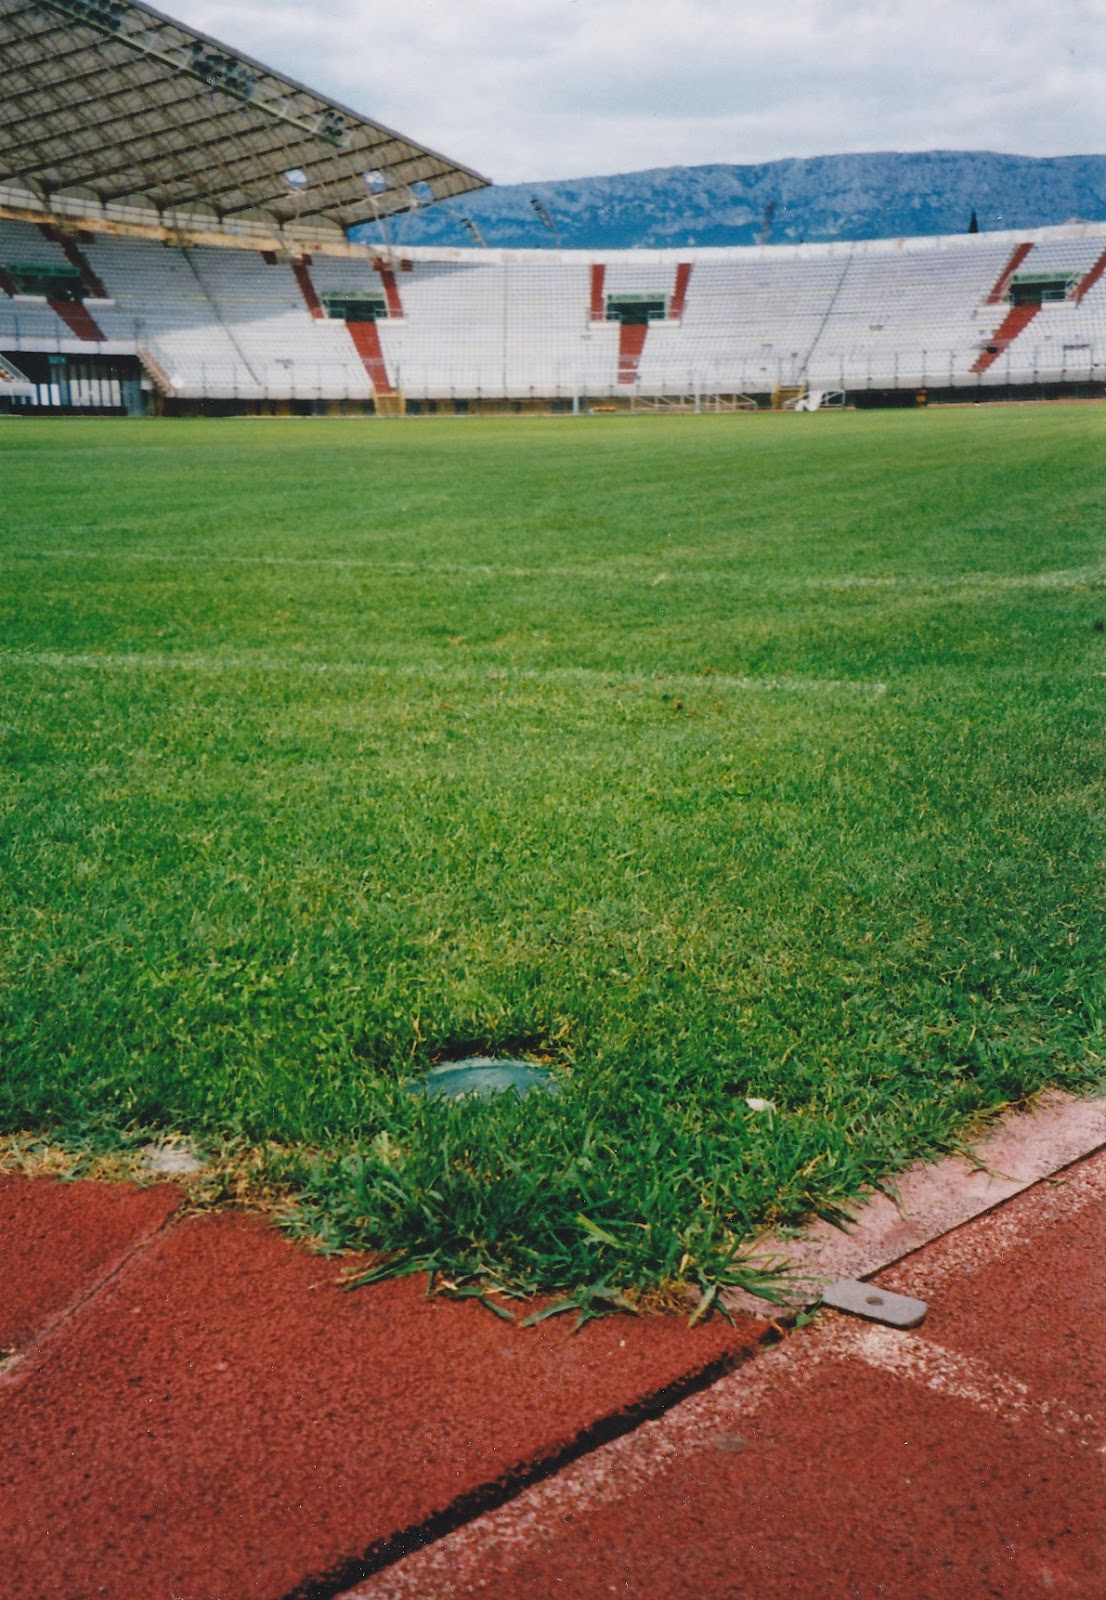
747,770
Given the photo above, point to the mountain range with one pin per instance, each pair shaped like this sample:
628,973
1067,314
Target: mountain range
877,196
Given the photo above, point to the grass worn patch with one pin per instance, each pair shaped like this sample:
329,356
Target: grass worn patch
713,761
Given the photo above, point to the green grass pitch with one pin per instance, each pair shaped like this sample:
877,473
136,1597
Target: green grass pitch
748,770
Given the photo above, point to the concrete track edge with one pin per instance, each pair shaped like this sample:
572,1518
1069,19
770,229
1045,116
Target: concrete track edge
930,1199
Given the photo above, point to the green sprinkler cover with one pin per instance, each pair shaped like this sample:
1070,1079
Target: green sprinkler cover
484,1076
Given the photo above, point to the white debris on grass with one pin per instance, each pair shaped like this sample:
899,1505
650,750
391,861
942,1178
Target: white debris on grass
172,1161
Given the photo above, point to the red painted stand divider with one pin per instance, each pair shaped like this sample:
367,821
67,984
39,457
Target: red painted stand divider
679,295
391,290
1091,278
1016,321
632,336
77,319
366,337
631,343
302,273
598,303
1008,272
93,284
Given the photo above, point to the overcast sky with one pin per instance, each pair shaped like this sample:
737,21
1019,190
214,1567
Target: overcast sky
525,90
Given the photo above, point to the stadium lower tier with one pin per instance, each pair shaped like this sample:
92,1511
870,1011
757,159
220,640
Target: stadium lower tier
95,320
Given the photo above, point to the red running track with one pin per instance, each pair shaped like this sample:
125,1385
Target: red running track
963,1460
197,1411
192,1409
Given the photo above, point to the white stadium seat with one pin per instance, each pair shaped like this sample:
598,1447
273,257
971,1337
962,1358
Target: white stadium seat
238,325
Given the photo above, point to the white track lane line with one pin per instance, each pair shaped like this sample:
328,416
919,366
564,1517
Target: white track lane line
915,1359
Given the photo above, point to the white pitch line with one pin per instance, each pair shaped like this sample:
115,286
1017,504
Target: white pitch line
634,571
592,677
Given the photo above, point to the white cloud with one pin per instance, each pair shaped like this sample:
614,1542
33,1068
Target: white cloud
533,89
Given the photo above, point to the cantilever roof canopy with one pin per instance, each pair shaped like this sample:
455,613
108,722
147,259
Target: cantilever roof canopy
112,100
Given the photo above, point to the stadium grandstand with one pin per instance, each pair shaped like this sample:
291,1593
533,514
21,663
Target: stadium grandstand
175,225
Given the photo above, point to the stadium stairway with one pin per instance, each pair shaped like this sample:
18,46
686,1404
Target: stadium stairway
156,373
72,312
1015,323
301,271
78,320
631,344
366,339
678,303
1090,279
391,290
13,381
632,336
598,306
1003,282
93,284
366,335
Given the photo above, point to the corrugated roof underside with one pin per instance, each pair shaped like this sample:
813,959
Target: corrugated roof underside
127,102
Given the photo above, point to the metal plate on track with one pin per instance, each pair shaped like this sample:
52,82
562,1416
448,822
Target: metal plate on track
875,1304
